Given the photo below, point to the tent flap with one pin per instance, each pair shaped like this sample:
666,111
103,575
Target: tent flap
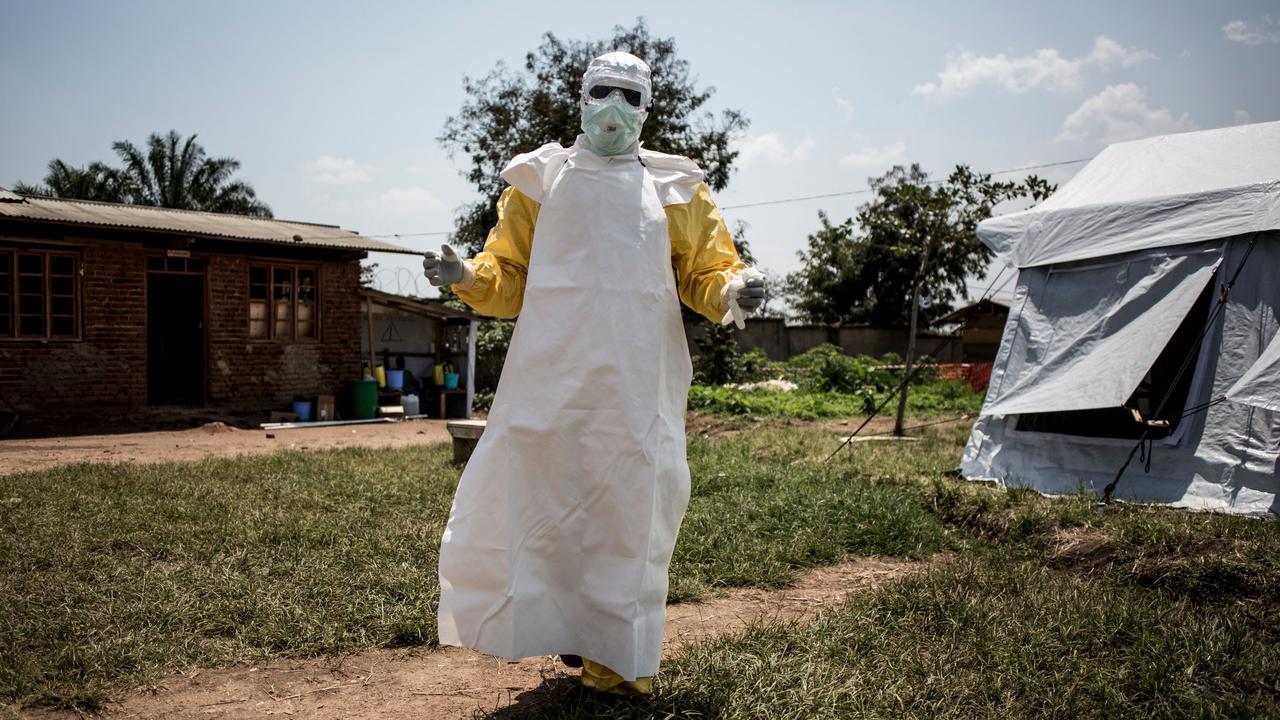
1086,335
1260,385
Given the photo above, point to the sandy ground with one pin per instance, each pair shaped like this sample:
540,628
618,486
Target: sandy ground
439,683
212,440
216,439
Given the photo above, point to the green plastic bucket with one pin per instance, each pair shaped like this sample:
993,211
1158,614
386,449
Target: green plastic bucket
363,396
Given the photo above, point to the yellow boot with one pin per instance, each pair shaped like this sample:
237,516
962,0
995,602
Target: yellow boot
599,677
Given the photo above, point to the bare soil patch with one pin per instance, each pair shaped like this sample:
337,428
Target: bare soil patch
438,683
1084,549
214,439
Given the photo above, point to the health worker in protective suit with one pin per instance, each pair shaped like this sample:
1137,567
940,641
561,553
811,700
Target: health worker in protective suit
565,518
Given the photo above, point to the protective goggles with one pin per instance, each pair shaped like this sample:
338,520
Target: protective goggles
600,92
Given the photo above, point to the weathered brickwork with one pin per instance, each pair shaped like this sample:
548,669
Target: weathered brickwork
107,368
104,373
273,371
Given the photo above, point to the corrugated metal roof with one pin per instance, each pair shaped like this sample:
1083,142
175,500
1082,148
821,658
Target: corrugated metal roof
231,227
964,312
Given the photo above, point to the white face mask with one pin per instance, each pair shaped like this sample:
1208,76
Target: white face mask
612,125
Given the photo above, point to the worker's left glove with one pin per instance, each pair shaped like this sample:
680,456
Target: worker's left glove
742,296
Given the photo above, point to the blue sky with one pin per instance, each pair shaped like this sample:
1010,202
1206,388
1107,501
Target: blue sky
333,108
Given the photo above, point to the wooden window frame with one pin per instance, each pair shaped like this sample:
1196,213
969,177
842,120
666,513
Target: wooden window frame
175,265
273,331
12,333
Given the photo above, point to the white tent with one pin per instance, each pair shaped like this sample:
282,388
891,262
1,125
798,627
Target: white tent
1120,272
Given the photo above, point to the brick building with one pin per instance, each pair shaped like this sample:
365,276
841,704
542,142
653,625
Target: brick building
108,310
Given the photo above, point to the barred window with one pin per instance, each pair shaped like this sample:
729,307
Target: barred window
39,294
283,302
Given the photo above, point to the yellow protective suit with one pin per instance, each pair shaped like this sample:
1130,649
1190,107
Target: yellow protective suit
593,452
702,255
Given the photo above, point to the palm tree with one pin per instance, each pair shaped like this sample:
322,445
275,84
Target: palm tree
176,174
96,181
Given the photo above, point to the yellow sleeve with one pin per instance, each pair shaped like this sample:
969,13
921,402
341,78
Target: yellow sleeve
702,253
499,270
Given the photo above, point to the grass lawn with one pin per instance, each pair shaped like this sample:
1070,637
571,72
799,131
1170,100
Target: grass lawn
114,575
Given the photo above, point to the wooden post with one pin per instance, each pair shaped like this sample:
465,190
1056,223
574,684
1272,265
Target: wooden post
373,355
911,340
471,365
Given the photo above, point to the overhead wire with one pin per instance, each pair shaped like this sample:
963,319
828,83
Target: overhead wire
864,191
761,203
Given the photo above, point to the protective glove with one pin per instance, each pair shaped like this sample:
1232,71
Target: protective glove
742,296
751,296
442,268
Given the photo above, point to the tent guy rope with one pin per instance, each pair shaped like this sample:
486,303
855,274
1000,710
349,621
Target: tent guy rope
1186,363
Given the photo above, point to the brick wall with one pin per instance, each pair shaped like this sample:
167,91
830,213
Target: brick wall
104,374
104,371
268,373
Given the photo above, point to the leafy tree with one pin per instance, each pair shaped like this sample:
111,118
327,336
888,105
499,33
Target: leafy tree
864,272
830,280
172,173
509,112
95,181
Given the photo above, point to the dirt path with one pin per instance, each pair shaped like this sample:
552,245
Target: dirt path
451,683
219,440
211,440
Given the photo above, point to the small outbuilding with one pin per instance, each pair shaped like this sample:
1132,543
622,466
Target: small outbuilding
109,310
417,336
982,323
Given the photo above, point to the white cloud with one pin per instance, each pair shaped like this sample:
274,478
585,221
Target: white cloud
1242,117
876,157
769,148
1045,68
843,103
1260,33
329,170
406,200
1108,53
1119,113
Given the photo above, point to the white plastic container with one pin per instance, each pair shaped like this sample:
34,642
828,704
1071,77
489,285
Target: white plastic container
410,405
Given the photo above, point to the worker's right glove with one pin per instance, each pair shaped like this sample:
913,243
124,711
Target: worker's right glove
741,296
442,268
751,296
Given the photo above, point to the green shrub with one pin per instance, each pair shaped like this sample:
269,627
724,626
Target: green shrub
721,360
763,403
493,338
946,396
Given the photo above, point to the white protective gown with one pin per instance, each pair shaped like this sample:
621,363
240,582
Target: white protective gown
565,518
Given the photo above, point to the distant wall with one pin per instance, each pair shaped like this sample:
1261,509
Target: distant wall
780,341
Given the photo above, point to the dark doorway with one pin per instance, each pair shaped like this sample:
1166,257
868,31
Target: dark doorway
175,339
